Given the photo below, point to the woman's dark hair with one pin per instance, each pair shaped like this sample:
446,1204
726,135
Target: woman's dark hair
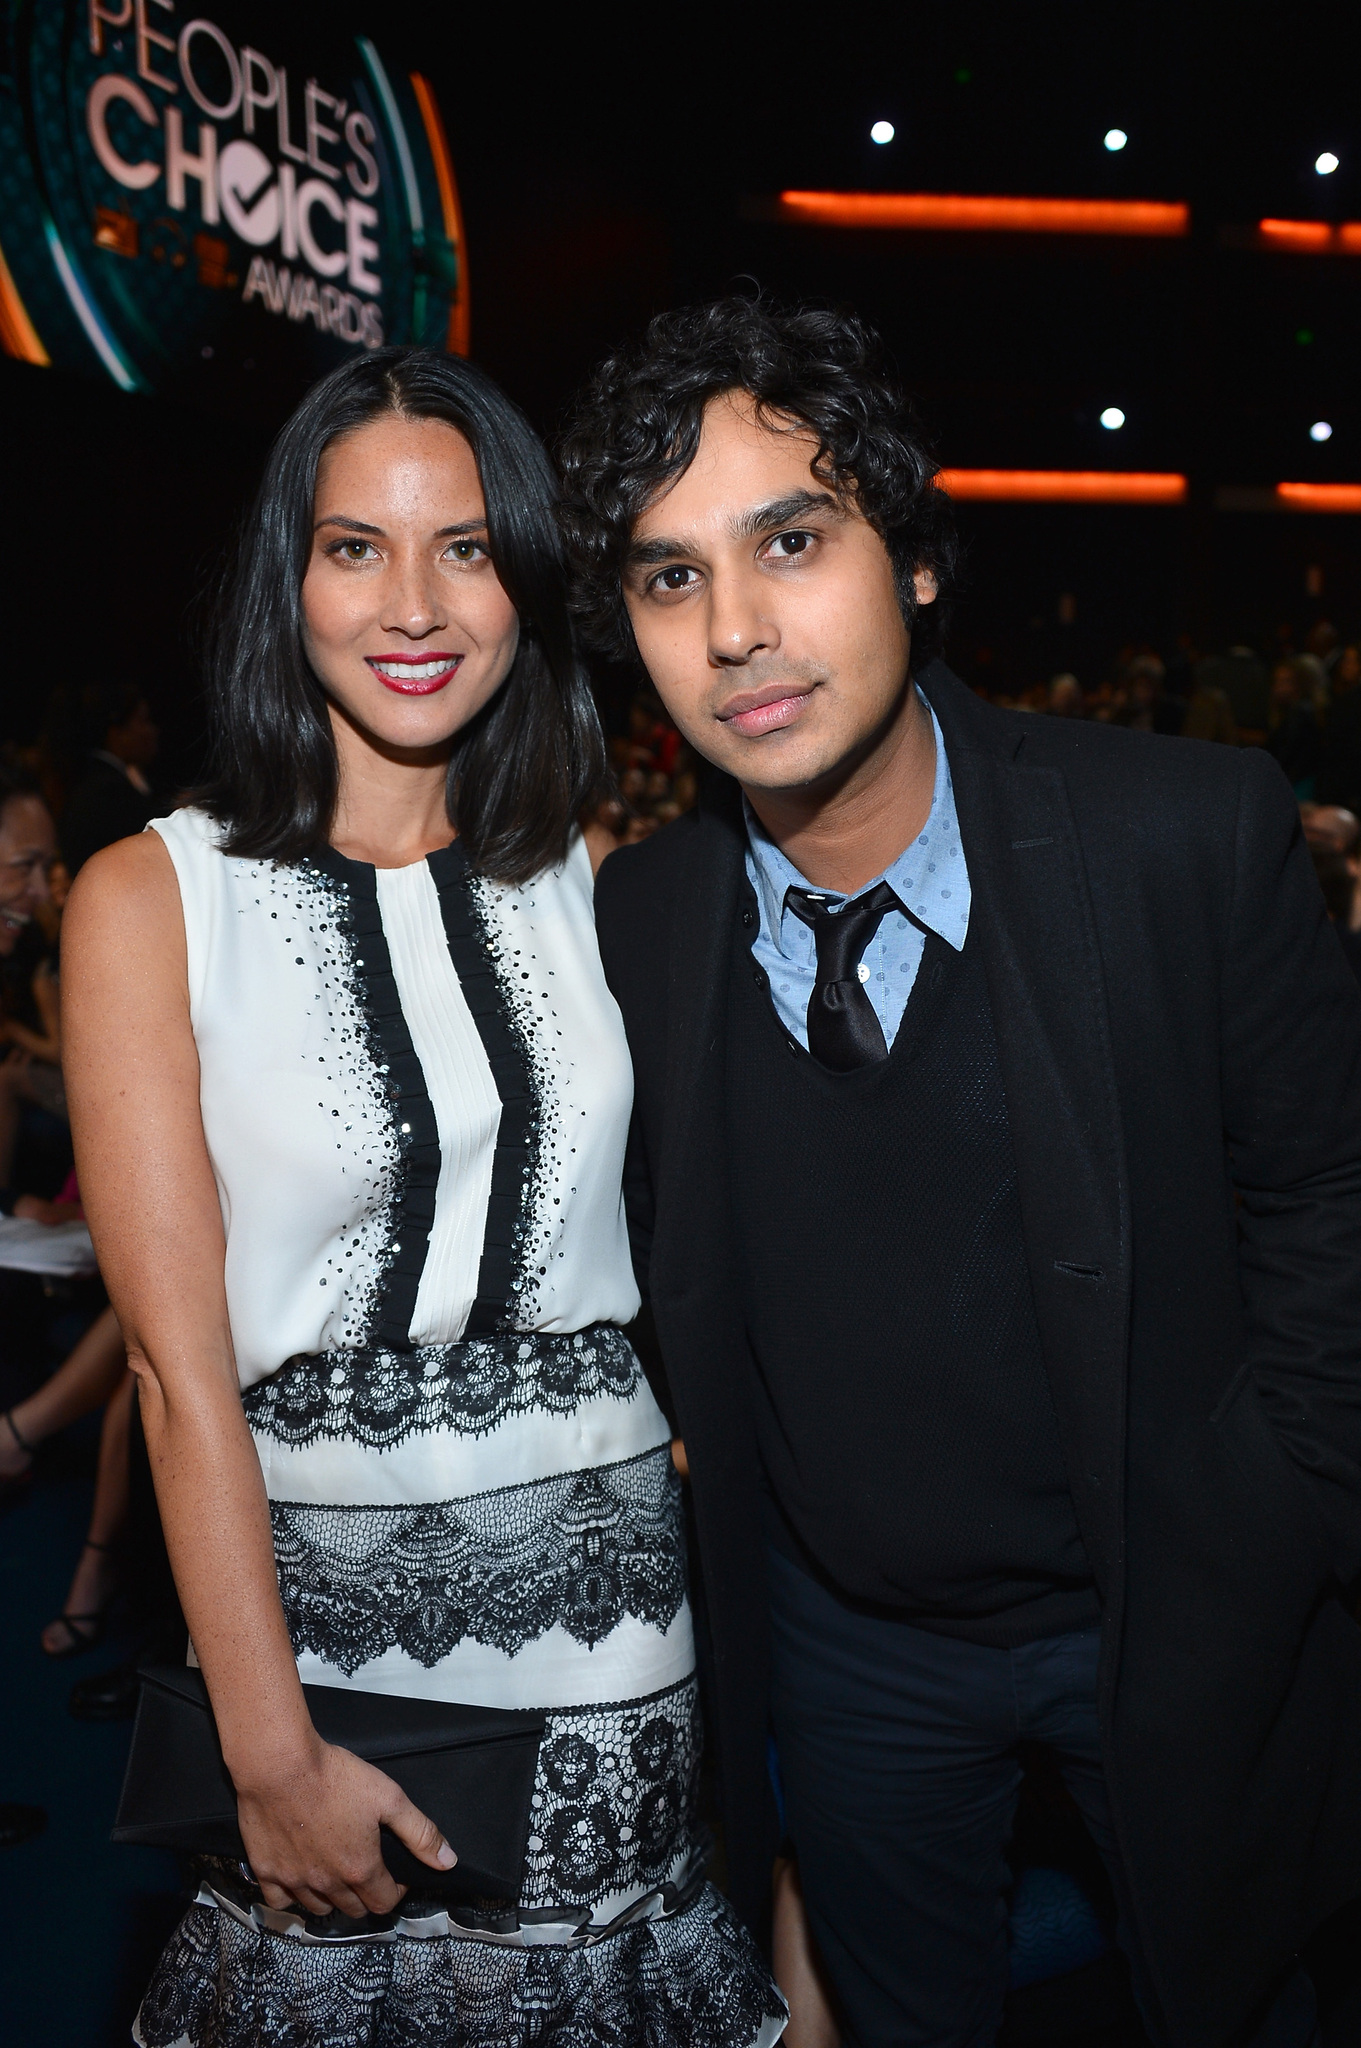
525,765
637,425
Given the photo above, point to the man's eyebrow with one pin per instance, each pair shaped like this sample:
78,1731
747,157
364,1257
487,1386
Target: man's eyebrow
759,519
748,525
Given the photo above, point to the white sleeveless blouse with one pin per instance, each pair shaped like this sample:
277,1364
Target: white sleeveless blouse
415,1089
299,1117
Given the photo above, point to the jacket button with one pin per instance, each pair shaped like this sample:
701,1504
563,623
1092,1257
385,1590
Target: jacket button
748,918
759,978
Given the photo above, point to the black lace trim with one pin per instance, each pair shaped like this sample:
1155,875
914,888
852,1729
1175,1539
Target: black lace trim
413,1112
501,1568
694,1980
614,1799
512,1173
380,1398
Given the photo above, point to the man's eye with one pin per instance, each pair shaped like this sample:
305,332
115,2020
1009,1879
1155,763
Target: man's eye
677,577
786,544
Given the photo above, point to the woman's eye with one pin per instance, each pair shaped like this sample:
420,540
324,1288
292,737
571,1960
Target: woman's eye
786,545
677,577
353,550
465,550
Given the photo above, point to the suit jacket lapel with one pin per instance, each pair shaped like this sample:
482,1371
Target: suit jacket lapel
1032,914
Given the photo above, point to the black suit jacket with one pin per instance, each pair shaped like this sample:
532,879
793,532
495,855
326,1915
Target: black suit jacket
1181,1045
103,806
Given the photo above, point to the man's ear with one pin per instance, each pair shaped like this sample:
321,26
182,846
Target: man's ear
925,584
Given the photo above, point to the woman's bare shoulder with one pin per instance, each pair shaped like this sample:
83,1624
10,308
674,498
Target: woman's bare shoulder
129,889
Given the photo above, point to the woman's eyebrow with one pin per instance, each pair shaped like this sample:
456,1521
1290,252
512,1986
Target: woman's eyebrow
351,525
455,532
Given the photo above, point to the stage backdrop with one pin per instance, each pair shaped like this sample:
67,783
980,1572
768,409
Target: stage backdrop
220,205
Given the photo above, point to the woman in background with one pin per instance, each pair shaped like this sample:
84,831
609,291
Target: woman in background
350,1100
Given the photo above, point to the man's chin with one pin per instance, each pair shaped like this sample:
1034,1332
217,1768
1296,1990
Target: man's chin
765,764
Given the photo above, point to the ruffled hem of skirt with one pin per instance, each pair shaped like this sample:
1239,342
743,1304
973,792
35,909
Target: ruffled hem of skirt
694,1979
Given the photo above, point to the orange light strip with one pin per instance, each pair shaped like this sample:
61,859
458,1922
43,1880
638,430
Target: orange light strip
961,212
458,338
1312,237
1065,486
18,336
1320,497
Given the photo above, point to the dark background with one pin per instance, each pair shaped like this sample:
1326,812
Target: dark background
607,160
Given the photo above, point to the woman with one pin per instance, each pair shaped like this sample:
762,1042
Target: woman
350,1100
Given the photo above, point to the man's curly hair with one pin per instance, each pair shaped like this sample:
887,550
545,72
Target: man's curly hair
636,428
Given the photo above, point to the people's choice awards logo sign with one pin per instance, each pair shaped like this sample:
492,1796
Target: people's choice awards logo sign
185,201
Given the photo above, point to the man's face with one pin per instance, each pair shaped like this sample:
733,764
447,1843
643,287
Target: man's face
137,738
764,607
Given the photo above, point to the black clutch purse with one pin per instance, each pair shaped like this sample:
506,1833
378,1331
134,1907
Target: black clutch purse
470,1768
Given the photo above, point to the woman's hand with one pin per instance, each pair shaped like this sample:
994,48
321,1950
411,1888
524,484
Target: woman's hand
311,1834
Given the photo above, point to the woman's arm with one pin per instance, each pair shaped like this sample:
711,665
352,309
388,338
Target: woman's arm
310,1813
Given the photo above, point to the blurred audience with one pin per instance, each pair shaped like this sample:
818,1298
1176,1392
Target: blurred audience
102,739
655,781
1292,732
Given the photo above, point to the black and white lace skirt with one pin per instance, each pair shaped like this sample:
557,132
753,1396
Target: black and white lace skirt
616,1941
687,1979
497,1520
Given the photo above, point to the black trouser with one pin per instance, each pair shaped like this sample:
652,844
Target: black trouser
897,1753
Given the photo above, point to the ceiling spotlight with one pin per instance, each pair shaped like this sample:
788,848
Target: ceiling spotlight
1320,431
1326,164
882,131
1115,138
1112,418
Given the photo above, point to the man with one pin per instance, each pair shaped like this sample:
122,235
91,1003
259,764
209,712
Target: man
113,798
958,1036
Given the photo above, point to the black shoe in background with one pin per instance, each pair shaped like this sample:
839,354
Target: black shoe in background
19,1823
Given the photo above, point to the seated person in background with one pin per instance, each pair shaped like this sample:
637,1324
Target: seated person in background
1339,768
112,798
1292,734
27,849
95,1373
1328,828
30,1073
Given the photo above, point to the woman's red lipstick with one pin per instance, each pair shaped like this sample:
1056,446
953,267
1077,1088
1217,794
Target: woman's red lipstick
414,675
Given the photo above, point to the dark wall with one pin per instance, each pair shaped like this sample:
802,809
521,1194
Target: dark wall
114,512
606,162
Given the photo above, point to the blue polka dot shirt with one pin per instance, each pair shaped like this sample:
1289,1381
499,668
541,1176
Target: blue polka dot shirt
929,876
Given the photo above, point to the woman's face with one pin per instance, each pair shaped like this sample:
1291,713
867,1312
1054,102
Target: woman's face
405,622
28,846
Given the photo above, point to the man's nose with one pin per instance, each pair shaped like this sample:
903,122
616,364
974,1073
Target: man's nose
739,625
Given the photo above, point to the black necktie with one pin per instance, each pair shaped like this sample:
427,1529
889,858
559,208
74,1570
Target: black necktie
843,1031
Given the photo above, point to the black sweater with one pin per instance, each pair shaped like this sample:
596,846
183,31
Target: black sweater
905,1420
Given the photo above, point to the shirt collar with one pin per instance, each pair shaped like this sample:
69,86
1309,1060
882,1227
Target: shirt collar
929,876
